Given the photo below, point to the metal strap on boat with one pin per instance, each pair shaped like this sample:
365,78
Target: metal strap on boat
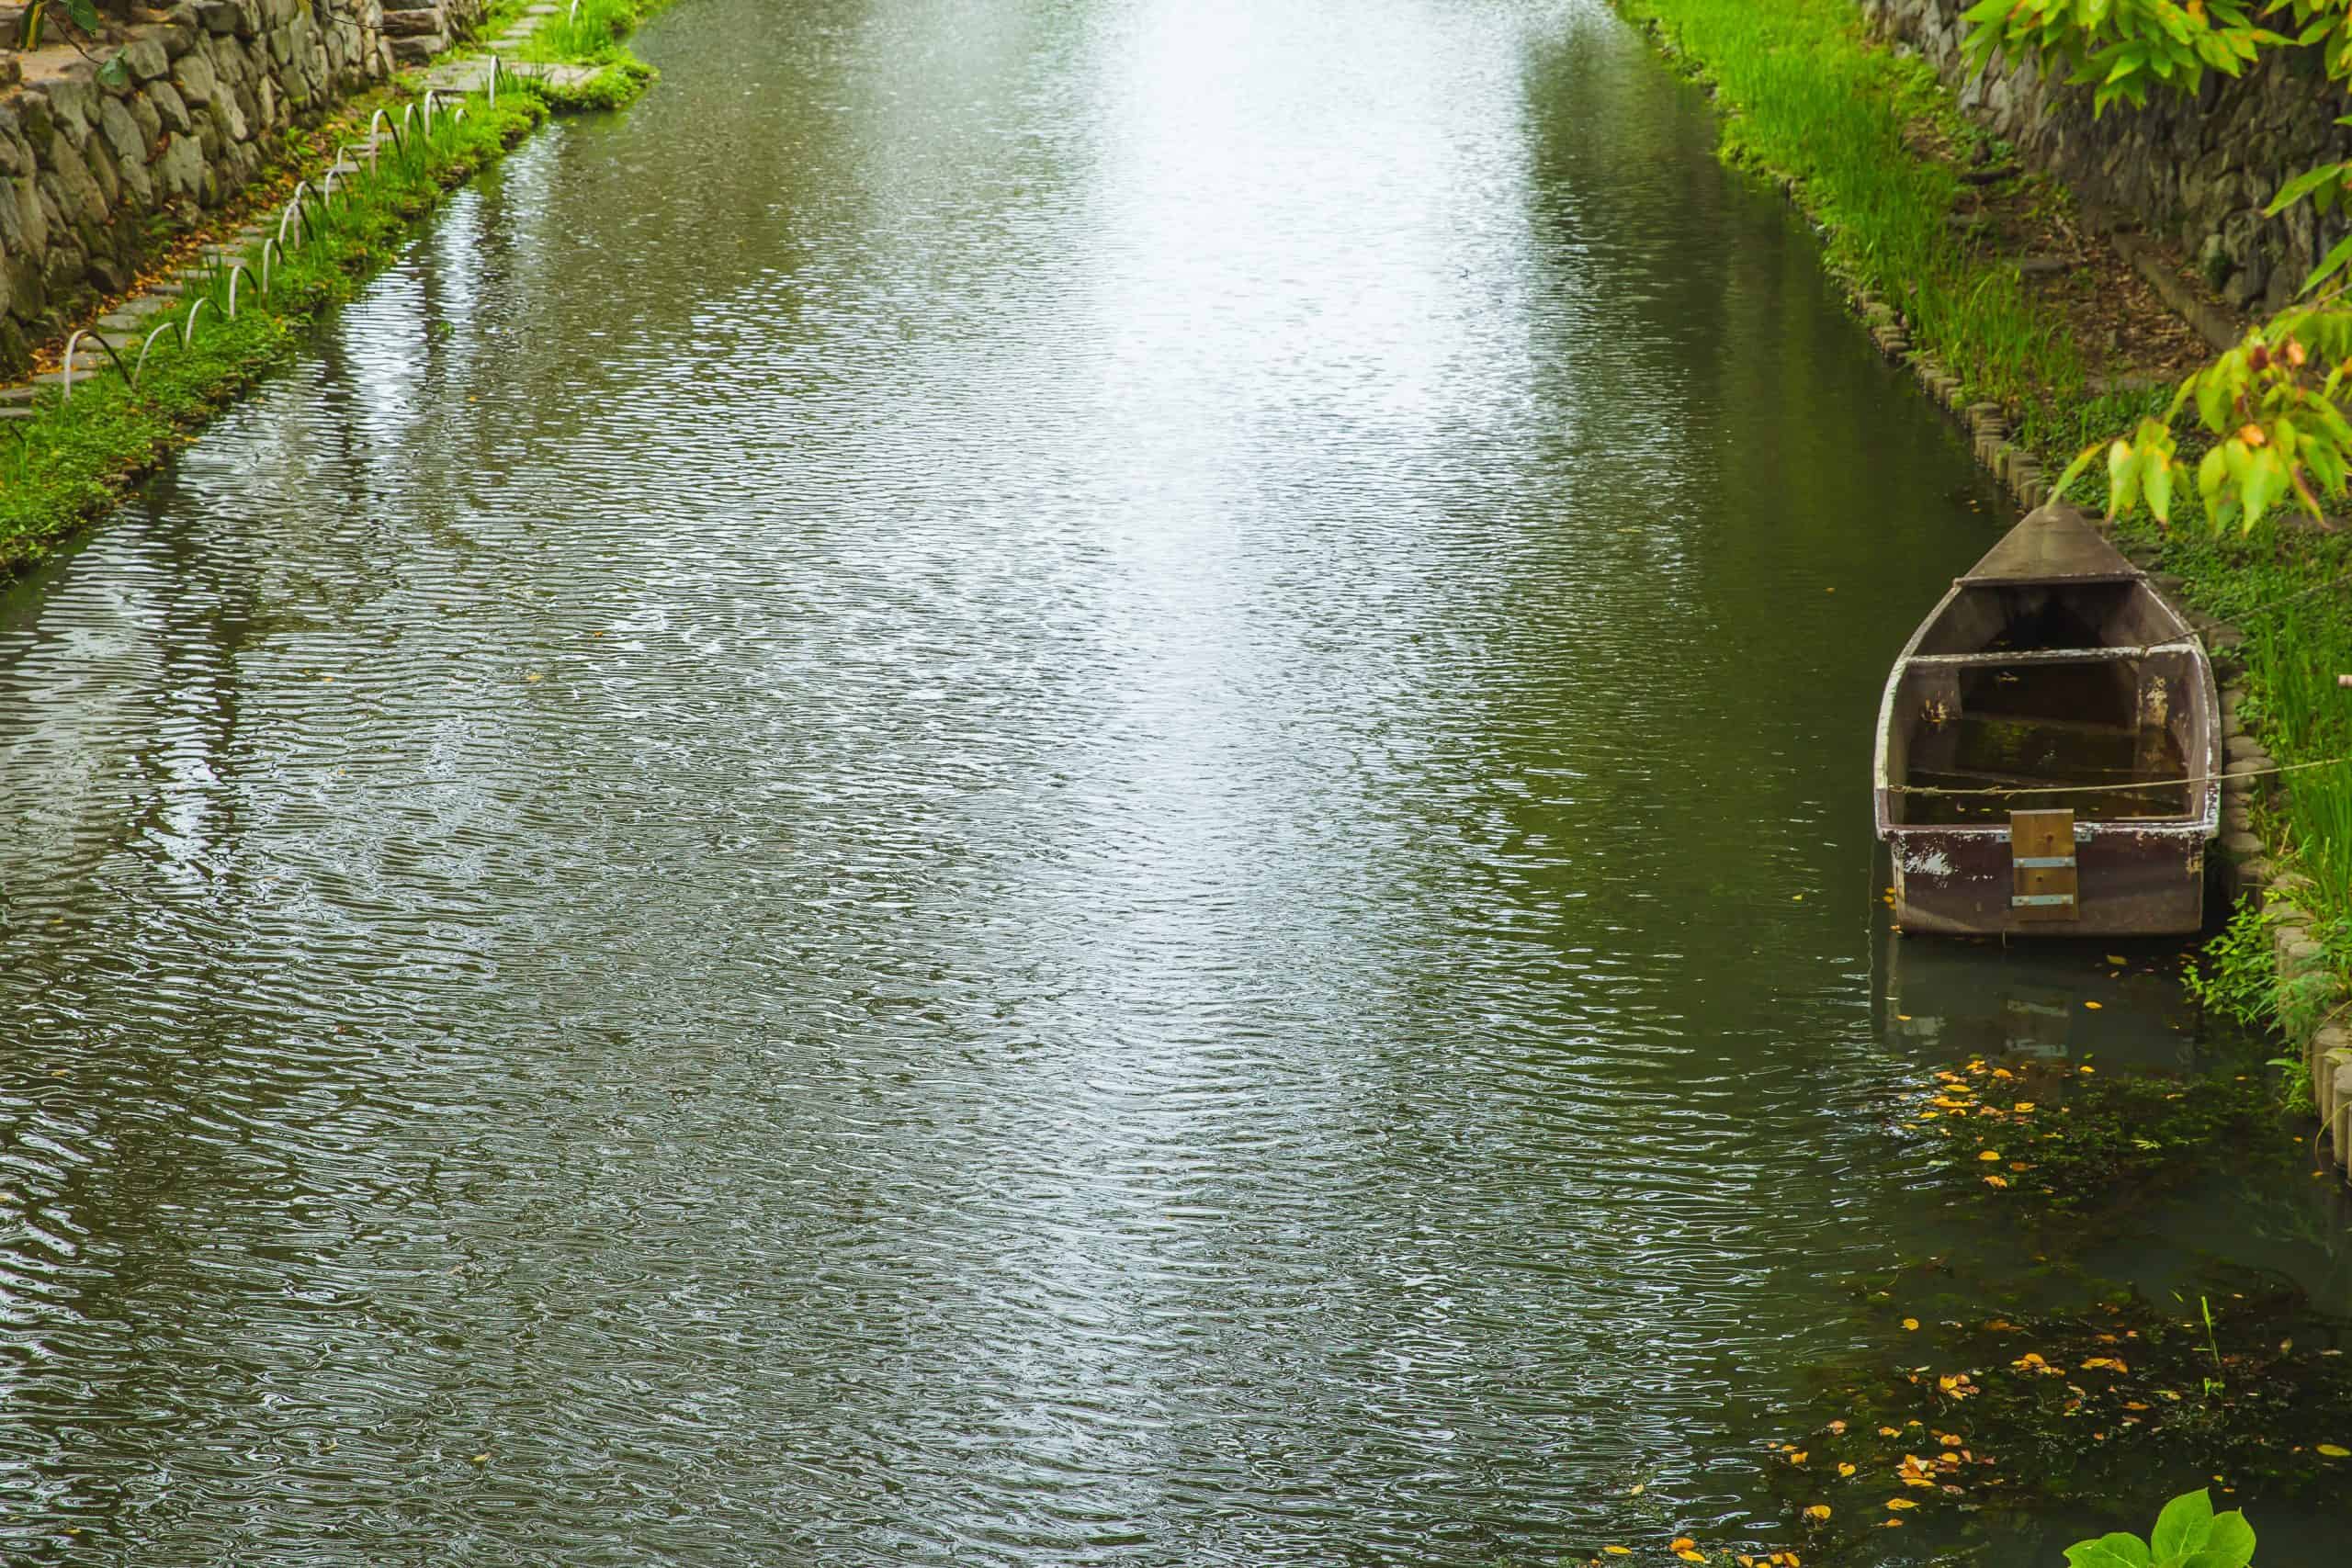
2042,862
2039,900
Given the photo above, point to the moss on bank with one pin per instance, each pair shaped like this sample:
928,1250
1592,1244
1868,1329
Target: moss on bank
1862,139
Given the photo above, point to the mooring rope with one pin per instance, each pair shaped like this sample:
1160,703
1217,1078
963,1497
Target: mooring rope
2142,783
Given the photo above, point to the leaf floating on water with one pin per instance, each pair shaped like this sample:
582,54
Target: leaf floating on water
1836,1428
1818,1511
1680,1543
2333,1451
2093,1006
1901,1503
2112,958
1910,1324
1690,1556
1844,1470
1988,1154
1618,1550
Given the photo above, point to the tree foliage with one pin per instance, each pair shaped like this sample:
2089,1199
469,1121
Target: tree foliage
2271,408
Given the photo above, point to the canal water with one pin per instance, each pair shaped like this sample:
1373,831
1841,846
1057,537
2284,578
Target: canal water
1027,783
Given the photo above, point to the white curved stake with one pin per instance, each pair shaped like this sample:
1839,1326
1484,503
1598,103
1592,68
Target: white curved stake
138,369
293,210
326,188
187,322
268,246
573,19
67,385
236,271
493,81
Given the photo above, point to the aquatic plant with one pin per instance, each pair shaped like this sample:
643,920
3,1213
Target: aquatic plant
2078,1142
2188,1534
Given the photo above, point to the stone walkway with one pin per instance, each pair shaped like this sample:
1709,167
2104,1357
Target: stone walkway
470,74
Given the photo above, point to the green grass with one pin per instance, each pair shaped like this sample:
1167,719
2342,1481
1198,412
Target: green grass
592,33
1808,96
2291,594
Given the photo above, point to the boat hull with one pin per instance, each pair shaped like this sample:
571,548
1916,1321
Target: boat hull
2134,880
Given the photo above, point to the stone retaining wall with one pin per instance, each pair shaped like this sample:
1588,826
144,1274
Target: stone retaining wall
2196,168
94,177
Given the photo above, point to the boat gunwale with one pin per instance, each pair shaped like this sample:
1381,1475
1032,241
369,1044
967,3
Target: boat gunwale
2203,819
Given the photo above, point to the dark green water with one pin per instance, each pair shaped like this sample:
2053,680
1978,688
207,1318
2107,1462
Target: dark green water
1031,781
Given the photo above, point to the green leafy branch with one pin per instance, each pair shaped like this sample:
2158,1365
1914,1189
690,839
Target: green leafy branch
84,15
2188,1534
2119,48
2274,408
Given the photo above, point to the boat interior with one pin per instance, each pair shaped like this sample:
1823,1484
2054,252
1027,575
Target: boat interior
2044,686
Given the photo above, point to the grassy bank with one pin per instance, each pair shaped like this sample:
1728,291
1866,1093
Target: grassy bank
72,462
593,34
1874,147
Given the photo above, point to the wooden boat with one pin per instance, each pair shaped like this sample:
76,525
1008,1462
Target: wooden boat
2050,748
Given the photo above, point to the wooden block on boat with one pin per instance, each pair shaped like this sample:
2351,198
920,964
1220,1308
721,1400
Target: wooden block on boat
2042,860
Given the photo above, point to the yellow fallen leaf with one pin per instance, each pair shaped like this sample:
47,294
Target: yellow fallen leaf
2333,1452
1901,1503
1844,1470
1890,1431
2093,1006
1910,1324
1996,1182
1680,1543
1818,1511
1618,1550
1988,1154
1690,1556
1797,1456
2023,1108
1837,1428
2113,958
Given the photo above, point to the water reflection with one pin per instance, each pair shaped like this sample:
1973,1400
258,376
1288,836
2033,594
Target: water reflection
1026,782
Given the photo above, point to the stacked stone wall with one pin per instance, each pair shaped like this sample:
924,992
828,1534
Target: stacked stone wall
94,174
2196,168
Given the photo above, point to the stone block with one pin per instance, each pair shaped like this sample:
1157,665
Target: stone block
146,58
180,170
169,108
193,77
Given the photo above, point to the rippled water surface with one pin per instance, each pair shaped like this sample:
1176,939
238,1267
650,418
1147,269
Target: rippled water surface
1031,782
